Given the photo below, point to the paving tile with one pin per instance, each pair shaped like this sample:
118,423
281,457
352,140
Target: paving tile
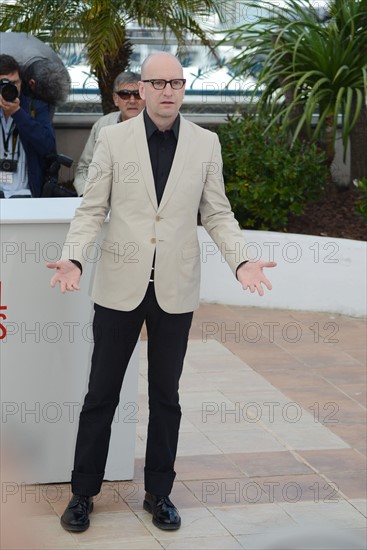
355,391
248,519
306,379
324,357
28,500
147,543
215,363
194,400
241,379
209,348
192,443
228,492
195,382
358,354
312,437
328,514
312,535
335,460
353,434
360,504
131,493
253,439
46,532
351,484
201,467
345,373
239,415
204,543
269,464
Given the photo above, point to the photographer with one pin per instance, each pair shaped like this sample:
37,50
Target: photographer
26,136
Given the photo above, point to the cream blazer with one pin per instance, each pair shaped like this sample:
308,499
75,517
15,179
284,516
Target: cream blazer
120,182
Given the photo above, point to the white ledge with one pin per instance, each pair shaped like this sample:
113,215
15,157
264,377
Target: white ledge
57,210
313,273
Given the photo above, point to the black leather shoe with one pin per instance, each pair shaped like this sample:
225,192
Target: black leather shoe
75,517
165,515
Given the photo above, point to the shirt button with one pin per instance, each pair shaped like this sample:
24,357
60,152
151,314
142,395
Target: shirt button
153,240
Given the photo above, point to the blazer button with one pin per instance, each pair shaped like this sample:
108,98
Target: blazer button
153,240
158,218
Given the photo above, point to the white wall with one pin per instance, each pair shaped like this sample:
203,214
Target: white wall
313,273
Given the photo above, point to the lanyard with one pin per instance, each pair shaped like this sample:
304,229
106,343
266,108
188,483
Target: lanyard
13,132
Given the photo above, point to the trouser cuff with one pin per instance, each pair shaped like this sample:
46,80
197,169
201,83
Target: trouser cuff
158,483
86,484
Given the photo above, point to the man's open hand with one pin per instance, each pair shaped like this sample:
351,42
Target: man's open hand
251,276
67,274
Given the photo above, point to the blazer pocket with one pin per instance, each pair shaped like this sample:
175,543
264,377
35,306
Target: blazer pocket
191,252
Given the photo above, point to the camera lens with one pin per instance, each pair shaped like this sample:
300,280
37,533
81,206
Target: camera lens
9,91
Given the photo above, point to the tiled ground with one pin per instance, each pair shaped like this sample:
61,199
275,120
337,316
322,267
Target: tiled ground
273,441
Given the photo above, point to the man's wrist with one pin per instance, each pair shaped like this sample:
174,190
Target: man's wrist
241,264
78,264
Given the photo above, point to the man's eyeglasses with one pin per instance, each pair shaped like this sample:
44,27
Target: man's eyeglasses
126,94
160,84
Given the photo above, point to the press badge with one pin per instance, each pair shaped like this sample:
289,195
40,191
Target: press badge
6,178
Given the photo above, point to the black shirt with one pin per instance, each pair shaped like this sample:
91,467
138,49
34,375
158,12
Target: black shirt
162,148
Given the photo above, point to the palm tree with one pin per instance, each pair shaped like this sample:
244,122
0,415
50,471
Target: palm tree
101,26
312,66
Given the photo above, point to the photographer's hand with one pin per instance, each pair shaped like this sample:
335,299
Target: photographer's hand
9,107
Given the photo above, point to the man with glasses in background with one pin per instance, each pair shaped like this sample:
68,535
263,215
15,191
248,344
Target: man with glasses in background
126,97
156,171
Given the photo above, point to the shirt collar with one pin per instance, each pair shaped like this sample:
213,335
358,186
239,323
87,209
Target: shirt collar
150,126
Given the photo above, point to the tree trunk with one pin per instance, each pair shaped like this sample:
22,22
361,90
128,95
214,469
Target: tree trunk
329,139
114,64
358,146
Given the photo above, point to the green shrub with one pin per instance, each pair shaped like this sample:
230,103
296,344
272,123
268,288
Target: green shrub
267,180
361,205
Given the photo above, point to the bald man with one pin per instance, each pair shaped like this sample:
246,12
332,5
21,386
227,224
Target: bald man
157,171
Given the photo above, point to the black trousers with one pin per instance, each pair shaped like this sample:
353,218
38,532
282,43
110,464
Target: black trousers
115,336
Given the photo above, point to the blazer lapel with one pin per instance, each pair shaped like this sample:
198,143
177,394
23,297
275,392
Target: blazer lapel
144,158
178,162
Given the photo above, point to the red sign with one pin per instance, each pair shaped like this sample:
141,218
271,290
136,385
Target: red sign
2,318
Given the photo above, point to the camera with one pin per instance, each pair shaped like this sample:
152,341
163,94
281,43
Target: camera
8,165
8,90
